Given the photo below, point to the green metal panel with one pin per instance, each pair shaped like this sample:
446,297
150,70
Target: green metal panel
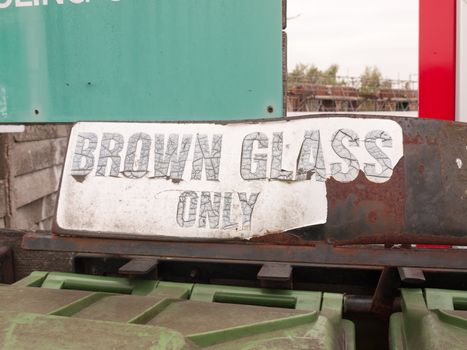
46,309
431,319
140,60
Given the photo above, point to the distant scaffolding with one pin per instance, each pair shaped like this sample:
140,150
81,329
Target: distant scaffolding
312,97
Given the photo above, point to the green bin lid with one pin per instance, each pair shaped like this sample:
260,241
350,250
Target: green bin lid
41,311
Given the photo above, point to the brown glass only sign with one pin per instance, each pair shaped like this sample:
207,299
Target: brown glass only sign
216,181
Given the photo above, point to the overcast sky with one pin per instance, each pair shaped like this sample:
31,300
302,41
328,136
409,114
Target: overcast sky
353,34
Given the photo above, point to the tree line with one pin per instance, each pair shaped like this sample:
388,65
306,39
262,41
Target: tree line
369,81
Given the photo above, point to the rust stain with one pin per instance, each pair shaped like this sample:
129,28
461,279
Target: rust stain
412,140
281,238
431,141
363,207
392,238
421,169
372,217
419,140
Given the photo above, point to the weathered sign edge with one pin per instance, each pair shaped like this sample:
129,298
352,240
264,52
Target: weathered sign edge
57,230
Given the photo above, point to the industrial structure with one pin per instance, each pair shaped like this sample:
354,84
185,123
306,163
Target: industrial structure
305,97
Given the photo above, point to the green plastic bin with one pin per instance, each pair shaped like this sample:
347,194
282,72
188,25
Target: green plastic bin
60,310
430,319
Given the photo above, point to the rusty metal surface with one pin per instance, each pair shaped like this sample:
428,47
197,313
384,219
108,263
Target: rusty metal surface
362,207
321,254
425,200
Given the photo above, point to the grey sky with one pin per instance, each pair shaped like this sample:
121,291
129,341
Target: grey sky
355,33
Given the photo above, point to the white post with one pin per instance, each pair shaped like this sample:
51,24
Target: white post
461,94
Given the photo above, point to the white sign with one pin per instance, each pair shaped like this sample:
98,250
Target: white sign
207,180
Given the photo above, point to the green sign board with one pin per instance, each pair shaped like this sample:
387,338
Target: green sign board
70,60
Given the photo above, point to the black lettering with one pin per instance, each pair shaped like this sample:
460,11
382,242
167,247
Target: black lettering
212,157
226,214
277,173
171,158
86,144
344,153
107,153
311,159
381,157
260,160
188,198
209,209
247,208
137,167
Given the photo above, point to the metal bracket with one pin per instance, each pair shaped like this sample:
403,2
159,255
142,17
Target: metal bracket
386,291
411,275
275,275
138,266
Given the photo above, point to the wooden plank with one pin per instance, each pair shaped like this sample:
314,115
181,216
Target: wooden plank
4,145
46,225
32,215
27,217
284,14
48,205
284,72
3,199
30,187
27,157
42,132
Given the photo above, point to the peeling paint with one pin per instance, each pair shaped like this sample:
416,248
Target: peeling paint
206,180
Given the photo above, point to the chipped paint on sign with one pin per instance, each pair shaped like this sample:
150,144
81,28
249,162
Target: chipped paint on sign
216,181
